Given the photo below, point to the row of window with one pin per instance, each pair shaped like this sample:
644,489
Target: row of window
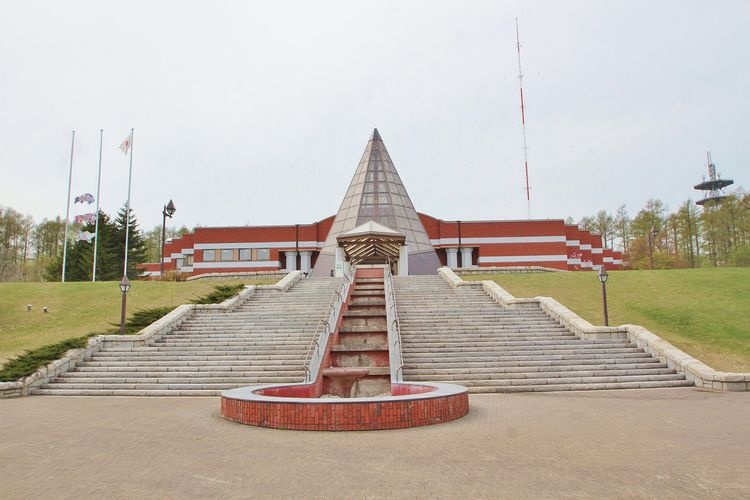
236,254
185,261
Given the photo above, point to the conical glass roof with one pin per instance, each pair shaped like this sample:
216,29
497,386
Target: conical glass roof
377,193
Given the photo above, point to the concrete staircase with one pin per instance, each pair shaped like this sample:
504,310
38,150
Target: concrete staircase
262,341
462,336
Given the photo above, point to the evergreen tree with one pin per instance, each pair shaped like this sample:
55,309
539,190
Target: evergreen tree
136,244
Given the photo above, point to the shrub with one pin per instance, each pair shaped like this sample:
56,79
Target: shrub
219,294
30,361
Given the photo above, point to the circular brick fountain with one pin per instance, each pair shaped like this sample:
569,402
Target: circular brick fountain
290,407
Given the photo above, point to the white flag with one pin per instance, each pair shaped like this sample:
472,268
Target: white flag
125,146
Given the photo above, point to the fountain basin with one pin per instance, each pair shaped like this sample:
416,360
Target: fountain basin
288,406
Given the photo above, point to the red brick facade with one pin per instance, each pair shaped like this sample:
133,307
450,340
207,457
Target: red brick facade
547,243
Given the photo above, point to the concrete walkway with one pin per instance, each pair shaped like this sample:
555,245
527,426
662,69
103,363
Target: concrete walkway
660,443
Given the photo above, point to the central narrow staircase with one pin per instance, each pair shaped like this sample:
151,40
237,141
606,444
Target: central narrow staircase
262,341
359,357
462,336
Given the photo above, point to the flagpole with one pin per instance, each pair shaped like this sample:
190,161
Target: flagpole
98,188
67,209
127,207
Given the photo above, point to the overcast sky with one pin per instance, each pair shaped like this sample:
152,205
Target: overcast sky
258,112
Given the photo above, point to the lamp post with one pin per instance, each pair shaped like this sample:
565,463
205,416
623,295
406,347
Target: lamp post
651,235
124,287
603,275
168,210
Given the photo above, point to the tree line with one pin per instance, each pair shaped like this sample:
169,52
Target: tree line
32,251
718,234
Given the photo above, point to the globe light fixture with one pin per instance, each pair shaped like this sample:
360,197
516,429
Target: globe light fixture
168,211
124,287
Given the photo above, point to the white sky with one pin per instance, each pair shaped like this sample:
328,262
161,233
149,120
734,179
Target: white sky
258,112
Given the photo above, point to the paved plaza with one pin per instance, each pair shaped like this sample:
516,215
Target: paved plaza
658,443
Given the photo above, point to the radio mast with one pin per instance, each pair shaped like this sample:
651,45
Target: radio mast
523,124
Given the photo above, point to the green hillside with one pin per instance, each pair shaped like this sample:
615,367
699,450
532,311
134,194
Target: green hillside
76,309
705,312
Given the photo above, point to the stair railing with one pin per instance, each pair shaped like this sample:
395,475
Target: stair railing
394,328
326,326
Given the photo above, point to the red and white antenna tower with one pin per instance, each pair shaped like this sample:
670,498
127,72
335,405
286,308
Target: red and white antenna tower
523,124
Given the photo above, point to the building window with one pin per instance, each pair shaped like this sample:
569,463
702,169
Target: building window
227,254
262,254
209,255
178,263
246,254
188,260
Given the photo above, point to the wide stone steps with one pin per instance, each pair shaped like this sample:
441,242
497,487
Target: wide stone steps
63,390
202,356
265,340
585,385
183,370
118,382
468,365
462,336
207,345
565,376
524,343
596,366
192,363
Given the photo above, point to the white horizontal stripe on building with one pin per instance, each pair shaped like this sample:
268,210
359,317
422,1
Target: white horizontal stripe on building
609,259
617,261
596,250
242,264
176,255
523,258
444,241
499,240
187,251
186,269
573,243
586,246
263,244
574,262
167,260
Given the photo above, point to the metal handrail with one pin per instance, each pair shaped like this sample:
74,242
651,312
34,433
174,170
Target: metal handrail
314,356
394,328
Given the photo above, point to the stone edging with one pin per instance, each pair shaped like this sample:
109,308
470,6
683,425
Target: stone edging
237,274
696,371
146,336
506,270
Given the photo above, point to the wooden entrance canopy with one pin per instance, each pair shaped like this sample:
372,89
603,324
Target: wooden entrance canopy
371,243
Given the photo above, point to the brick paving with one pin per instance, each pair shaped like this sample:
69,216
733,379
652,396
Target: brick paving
660,443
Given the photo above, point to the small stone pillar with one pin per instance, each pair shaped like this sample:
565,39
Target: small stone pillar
403,261
452,254
305,261
291,260
338,269
466,256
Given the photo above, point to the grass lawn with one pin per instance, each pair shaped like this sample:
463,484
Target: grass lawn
704,312
76,309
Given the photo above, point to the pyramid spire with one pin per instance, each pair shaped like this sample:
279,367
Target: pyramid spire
377,194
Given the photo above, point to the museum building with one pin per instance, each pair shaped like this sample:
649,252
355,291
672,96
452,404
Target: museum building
377,195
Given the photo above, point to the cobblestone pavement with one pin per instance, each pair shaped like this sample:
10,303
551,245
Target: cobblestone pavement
661,443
